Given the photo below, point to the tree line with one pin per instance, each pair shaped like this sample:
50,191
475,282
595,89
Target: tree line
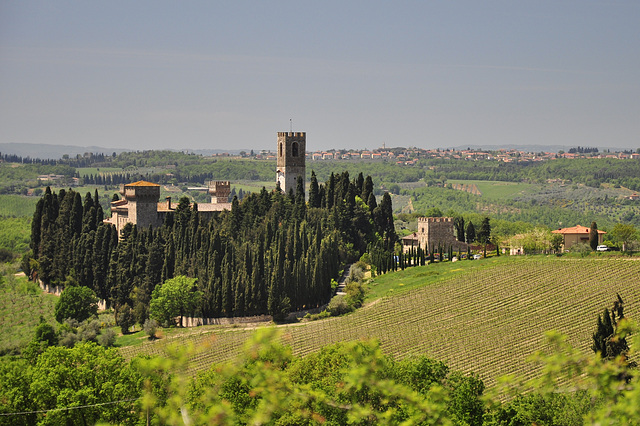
272,253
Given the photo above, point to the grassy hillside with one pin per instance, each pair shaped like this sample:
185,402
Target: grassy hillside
487,319
21,305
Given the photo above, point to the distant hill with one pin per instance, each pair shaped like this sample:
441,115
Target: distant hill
44,151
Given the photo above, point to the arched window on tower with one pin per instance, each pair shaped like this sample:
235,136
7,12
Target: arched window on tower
294,149
280,150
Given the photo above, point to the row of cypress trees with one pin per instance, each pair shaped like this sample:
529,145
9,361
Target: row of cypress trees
270,254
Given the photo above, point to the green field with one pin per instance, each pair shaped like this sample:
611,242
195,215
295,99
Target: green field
497,190
17,205
253,185
15,233
86,171
21,305
487,320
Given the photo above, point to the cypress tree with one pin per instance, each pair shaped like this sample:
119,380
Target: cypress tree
359,184
471,233
314,200
593,236
604,331
330,191
300,205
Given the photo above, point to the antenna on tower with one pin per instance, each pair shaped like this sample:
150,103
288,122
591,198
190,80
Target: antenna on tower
291,125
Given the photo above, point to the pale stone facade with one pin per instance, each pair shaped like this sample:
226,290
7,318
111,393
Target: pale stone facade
435,232
291,159
140,204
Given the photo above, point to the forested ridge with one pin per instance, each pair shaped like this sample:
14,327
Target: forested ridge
270,254
589,171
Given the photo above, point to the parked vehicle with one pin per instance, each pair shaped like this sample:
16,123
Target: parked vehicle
602,247
477,256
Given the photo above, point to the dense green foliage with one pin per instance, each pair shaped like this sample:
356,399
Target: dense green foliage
340,384
78,303
271,253
50,390
174,298
350,382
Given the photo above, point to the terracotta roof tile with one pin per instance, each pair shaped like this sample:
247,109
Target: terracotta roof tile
575,230
142,183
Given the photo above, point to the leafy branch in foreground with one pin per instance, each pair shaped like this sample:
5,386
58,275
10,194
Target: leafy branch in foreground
340,384
573,388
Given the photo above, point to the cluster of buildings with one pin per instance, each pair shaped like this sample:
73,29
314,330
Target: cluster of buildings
410,156
140,203
438,232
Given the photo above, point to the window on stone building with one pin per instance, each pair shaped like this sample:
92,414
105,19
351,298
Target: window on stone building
294,149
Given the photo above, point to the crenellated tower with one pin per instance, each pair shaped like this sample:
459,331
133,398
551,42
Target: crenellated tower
291,159
142,199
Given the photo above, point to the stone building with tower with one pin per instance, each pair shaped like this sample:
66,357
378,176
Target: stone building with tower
291,158
433,233
141,206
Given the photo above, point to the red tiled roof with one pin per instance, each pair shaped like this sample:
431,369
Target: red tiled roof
575,230
142,183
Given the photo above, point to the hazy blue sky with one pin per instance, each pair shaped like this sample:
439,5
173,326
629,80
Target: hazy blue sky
352,74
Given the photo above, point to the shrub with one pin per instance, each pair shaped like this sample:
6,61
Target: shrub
107,338
581,248
150,327
126,319
355,294
355,273
89,330
338,306
314,317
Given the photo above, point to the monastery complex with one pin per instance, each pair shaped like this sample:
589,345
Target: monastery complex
141,203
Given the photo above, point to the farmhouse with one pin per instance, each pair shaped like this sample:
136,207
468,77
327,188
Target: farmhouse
576,235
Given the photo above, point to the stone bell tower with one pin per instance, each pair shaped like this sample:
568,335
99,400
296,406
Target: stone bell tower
291,159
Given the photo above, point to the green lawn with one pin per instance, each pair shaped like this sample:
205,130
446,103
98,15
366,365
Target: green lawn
253,185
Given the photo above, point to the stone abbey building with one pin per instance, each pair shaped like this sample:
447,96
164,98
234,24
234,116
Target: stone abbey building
141,205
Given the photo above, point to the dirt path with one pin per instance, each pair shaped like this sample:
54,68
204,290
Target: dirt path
342,282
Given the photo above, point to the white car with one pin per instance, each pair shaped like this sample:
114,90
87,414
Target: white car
602,247
477,256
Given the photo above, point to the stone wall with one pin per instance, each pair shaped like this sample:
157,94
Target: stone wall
196,322
57,291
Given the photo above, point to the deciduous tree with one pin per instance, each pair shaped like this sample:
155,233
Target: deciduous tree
176,297
76,302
